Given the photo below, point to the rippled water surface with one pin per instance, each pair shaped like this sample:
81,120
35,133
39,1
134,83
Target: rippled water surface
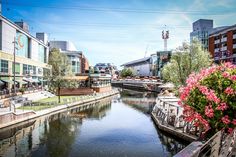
118,126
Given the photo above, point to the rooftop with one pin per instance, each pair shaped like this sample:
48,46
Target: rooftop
21,30
220,29
145,59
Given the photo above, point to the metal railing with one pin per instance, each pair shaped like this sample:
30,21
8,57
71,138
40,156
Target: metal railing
219,145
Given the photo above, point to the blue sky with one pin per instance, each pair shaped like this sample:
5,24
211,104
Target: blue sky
118,31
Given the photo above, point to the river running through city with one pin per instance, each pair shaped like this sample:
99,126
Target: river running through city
119,126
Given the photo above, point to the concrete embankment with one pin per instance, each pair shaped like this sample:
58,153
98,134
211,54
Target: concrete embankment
10,118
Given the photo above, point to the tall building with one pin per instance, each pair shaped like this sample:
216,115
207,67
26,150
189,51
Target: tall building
79,62
201,29
31,55
222,44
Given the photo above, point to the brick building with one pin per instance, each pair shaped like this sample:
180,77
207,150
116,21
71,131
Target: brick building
222,44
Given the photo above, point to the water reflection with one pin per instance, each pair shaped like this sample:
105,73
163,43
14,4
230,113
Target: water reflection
117,126
142,101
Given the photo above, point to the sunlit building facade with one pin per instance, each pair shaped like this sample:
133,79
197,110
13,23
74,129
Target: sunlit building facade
31,55
79,63
222,44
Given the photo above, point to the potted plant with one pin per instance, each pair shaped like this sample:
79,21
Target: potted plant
22,90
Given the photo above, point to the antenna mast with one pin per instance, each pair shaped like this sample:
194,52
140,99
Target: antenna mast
165,36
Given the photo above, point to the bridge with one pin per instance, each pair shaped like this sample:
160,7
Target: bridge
138,84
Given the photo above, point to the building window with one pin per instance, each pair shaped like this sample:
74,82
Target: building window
28,69
34,70
234,41
25,69
3,66
216,37
217,45
224,35
234,31
225,44
17,66
234,51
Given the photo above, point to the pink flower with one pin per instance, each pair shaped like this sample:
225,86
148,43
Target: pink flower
229,91
225,119
234,121
233,77
229,65
222,106
203,89
230,130
209,112
210,94
225,74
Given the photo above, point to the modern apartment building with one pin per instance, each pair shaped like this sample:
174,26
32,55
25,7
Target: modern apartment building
79,62
201,30
31,55
222,44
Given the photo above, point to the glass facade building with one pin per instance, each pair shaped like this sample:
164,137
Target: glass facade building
201,30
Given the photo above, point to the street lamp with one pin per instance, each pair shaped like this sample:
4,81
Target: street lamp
14,61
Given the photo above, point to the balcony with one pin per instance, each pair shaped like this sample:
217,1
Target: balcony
217,41
224,48
234,36
234,46
224,39
217,50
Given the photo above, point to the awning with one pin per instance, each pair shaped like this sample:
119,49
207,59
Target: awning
28,80
35,80
20,81
6,79
1,82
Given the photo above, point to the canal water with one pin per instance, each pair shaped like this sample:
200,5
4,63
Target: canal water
119,126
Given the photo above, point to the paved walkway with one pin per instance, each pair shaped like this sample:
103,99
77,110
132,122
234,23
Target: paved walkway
30,96
82,103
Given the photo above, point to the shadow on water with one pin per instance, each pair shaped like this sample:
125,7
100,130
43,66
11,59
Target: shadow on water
112,127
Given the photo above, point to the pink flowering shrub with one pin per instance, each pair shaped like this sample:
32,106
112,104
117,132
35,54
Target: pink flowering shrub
209,98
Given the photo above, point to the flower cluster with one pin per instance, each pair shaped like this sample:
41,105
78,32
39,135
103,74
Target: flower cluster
209,98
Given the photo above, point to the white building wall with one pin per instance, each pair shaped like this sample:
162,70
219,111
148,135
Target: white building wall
141,70
34,50
8,35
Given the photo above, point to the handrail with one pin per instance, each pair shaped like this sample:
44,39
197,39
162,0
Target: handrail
219,145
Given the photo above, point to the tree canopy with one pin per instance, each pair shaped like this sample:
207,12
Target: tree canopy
185,60
127,72
60,67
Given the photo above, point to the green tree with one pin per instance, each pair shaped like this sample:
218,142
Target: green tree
91,70
60,67
186,59
127,72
